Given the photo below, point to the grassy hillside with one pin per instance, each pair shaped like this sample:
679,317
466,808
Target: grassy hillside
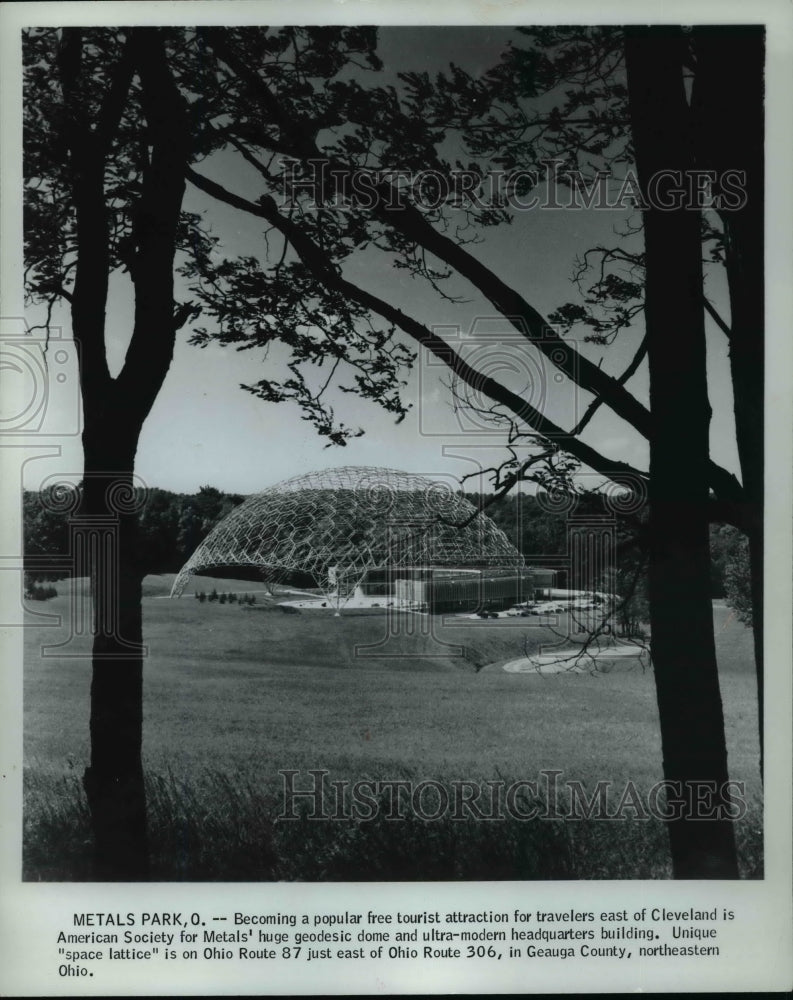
232,695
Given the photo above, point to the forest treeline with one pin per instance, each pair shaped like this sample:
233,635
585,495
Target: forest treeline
172,525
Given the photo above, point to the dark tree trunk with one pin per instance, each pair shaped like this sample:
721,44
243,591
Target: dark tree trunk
115,408
681,617
729,90
114,779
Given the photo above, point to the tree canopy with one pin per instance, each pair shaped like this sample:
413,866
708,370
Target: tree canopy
350,170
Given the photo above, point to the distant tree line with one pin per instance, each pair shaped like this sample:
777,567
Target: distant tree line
540,533
536,531
173,525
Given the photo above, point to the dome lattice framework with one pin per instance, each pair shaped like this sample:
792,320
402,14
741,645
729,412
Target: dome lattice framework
342,523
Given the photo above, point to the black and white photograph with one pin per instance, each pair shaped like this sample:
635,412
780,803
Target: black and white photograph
396,466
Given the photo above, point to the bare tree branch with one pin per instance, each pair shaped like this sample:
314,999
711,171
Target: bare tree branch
714,315
331,277
593,407
297,139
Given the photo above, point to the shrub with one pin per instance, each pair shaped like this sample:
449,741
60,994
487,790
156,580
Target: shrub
738,582
222,598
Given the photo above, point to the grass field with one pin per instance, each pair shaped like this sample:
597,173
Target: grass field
234,695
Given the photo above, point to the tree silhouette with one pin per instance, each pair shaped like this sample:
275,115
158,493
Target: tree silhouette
610,115
106,140
116,121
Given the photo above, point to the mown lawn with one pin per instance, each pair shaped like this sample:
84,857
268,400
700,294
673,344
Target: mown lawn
232,696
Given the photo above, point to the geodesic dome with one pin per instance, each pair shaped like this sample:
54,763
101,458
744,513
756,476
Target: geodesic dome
342,523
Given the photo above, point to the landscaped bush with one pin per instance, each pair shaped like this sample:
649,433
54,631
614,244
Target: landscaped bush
224,598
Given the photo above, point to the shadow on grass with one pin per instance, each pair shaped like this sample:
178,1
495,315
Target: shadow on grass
221,828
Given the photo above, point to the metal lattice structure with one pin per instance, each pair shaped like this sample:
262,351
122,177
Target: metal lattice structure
343,523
